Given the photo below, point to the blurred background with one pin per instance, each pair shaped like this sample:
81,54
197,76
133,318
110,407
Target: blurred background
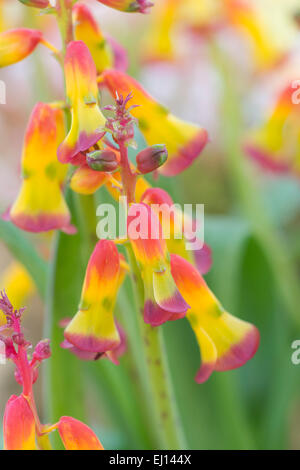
224,65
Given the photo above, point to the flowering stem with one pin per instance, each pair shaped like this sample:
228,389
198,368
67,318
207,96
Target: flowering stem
64,15
128,177
159,388
249,196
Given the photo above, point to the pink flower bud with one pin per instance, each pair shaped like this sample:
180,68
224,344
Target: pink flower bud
102,160
42,350
151,158
36,3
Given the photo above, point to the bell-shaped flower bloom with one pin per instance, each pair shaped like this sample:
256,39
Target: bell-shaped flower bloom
18,425
178,229
16,44
129,6
270,37
276,144
18,285
86,181
184,141
40,205
77,435
163,301
104,52
225,341
93,328
88,122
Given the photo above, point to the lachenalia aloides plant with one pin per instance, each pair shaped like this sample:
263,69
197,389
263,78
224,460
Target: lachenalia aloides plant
75,145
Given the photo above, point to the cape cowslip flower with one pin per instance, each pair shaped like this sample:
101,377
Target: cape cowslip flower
184,141
225,341
36,3
102,160
16,44
151,158
275,146
129,6
93,328
18,286
18,425
77,435
87,120
40,205
178,229
104,52
163,300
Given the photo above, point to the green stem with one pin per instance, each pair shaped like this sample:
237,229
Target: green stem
160,396
250,199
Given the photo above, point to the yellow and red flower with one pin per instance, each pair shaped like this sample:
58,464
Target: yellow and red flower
184,141
77,435
16,44
129,6
276,145
40,204
178,229
163,301
93,328
225,341
88,122
18,425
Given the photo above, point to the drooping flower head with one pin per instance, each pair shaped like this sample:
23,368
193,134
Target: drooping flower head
129,6
77,435
225,341
184,141
106,53
16,44
163,300
18,425
179,229
40,205
93,328
276,144
88,122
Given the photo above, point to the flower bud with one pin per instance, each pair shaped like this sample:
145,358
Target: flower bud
42,350
36,3
151,158
18,425
102,160
130,6
16,44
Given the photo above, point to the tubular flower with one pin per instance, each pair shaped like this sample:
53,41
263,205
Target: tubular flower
105,53
40,205
16,44
163,300
82,91
86,181
276,145
225,341
178,229
270,40
77,435
18,425
184,141
129,6
18,285
93,328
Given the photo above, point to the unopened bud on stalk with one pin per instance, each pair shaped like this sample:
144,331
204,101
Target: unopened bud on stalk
102,160
151,158
42,350
36,3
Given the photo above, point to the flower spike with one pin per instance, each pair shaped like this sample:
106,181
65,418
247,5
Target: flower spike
40,205
93,328
163,300
87,120
225,341
16,44
184,141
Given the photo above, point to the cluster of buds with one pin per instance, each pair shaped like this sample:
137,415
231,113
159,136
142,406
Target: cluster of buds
22,429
